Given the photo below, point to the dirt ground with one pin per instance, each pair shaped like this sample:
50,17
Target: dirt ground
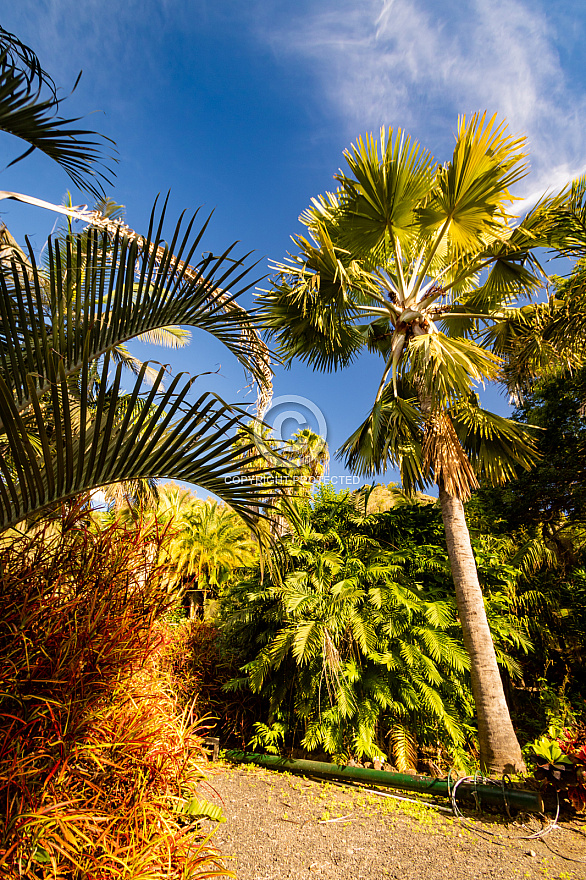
285,827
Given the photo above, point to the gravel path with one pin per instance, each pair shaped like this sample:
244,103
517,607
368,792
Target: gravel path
285,827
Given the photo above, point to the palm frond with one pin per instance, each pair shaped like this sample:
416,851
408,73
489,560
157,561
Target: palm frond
311,308
32,118
392,434
568,234
495,445
380,199
105,291
447,368
472,191
403,747
166,437
534,554
169,337
121,355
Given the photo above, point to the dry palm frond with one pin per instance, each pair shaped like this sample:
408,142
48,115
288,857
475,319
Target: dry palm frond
443,454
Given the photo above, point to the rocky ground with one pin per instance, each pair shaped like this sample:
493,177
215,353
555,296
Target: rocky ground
285,827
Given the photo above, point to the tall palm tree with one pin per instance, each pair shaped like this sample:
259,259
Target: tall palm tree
409,259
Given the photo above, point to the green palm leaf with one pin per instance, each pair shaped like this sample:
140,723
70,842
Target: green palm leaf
104,292
312,299
160,436
380,199
494,444
27,115
392,434
468,201
447,368
568,233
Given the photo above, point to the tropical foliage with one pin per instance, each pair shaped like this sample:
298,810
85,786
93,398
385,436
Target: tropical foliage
540,516
398,264
357,651
210,544
97,760
97,769
66,425
546,339
562,762
56,440
412,259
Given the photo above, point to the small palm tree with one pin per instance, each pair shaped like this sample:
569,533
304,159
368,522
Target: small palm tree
308,456
410,259
211,543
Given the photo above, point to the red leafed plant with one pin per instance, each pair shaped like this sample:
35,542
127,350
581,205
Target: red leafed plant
573,743
97,762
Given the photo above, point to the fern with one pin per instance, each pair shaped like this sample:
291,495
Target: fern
403,748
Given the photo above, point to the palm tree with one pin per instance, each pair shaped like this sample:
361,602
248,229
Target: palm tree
211,543
63,326
57,442
409,259
308,456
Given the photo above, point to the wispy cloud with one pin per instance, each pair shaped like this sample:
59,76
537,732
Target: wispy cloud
410,63
418,63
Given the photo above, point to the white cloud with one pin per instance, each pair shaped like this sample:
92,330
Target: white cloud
418,63
410,63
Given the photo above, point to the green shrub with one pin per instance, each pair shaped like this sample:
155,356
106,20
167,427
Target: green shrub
357,648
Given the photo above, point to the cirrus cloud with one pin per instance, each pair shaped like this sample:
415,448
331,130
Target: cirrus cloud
418,63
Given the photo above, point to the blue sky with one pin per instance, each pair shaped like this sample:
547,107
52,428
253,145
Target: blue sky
246,107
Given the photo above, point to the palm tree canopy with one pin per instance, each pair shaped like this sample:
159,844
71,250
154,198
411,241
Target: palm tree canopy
547,339
210,543
411,259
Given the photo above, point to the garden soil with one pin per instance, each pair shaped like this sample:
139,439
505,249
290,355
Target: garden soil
285,827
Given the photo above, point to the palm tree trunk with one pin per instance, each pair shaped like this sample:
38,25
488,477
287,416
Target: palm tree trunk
499,748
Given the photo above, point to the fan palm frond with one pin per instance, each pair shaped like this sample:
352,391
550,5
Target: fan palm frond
391,434
494,444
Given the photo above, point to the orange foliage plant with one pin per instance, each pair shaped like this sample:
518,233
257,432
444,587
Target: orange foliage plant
97,761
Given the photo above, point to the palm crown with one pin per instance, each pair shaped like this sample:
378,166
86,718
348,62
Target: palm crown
412,260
